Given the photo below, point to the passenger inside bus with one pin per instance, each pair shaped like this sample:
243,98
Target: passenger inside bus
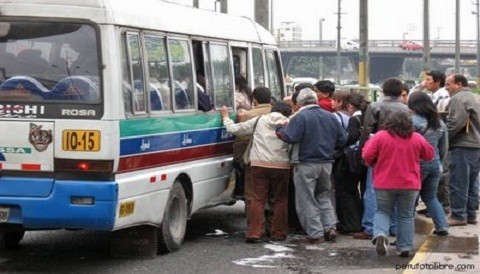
204,102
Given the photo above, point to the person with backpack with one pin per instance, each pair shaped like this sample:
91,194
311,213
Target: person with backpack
351,172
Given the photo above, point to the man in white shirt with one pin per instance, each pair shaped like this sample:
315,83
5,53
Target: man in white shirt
434,83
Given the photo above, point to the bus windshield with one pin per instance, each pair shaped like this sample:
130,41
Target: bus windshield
49,61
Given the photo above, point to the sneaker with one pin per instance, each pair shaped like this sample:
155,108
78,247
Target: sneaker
441,232
381,245
471,222
307,240
331,235
422,211
404,254
362,235
455,222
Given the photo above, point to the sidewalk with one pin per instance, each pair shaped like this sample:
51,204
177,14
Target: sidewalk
458,252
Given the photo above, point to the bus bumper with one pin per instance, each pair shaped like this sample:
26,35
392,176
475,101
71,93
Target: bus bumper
64,207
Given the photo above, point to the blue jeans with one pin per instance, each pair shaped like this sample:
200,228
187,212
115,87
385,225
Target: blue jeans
430,179
370,206
464,182
405,203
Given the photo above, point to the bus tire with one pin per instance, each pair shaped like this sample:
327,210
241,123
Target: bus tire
171,232
11,238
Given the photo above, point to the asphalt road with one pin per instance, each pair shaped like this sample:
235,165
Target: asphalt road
214,244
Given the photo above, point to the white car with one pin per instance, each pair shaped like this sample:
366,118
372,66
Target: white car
350,45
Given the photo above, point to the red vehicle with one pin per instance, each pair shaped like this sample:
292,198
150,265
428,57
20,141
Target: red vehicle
409,45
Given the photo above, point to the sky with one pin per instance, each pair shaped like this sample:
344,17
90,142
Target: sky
388,19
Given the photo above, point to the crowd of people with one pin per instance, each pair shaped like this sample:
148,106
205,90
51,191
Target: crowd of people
326,161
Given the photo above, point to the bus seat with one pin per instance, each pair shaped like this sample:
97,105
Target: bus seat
181,98
74,88
23,86
156,102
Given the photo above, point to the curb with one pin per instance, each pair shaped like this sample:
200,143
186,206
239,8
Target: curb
423,226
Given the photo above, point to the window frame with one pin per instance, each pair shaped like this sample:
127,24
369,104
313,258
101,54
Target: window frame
172,83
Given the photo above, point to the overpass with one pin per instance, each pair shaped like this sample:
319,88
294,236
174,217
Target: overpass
386,56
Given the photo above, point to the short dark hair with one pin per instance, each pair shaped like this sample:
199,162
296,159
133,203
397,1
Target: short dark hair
459,78
406,88
392,87
283,108
301,86
357,100
398,123
325,86
437,76
262,95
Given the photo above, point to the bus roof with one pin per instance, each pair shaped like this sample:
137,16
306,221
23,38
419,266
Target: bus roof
145,14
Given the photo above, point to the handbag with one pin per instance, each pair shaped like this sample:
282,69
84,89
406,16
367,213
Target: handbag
246,154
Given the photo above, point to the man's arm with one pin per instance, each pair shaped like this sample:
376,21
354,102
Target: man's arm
293,132
456,119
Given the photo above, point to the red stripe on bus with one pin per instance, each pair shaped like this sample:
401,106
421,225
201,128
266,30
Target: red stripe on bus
30,167
153,179
163,158
163,177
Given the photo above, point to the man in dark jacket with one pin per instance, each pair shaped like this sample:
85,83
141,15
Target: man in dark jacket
317,133
463,123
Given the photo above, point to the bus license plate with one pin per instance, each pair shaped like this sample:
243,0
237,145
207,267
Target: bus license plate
81,140
4,214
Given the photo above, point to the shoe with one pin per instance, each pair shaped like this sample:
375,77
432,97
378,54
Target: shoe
455,222
252,240
394,243
306,240
404,254
422,211
381,245
441,232
472,222
362,235
331,235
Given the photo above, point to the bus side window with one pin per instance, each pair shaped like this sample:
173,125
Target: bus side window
258,68
135,73
275,77
221,77
181,62
158,73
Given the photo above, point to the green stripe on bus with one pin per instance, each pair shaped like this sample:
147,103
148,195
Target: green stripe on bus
147,126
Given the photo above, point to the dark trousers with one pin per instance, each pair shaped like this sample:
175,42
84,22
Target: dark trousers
348,196
265,181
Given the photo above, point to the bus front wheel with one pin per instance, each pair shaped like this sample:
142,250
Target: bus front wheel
172,230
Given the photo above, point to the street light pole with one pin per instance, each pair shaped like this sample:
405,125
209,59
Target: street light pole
363,62
478,42
426,36
457,36
320,59
339,56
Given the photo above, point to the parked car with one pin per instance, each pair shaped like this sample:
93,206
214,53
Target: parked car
410,45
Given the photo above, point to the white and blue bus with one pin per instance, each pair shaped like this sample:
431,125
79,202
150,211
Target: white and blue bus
100,121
